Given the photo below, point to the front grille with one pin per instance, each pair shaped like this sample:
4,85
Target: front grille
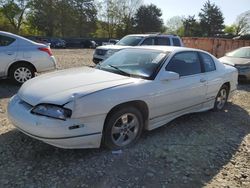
101,51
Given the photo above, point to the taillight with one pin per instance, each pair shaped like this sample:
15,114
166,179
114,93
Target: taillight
47,50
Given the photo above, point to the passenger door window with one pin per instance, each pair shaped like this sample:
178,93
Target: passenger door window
6,41
185,63
148,41
163,41
208,62
176,42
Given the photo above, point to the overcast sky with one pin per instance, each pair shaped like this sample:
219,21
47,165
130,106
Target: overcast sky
230,8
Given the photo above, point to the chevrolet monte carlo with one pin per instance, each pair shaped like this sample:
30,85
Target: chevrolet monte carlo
135,89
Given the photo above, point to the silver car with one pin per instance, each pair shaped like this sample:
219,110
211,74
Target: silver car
240,59
21,58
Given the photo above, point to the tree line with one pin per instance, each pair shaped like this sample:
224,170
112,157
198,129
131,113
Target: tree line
109,19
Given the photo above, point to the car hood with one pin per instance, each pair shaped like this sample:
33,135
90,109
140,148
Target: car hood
234,60
59,87
112,47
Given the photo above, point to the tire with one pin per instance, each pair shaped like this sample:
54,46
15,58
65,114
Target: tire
21,72
123,128
221,98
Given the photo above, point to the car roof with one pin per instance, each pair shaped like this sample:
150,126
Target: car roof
168,48
147,35
9,34
14,36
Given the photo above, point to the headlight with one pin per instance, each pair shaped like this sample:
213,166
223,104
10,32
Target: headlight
111,52
242,67
53,111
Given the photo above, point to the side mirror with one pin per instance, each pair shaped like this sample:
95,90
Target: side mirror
168,75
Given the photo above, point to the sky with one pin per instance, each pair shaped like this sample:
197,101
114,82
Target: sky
230,8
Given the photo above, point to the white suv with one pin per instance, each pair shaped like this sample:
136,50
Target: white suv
103,52
21,58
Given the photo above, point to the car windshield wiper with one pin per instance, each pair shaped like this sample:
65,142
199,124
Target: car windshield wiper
121,71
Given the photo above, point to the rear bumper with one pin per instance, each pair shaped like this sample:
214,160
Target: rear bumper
49,65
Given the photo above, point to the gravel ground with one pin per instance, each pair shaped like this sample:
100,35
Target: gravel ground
210,149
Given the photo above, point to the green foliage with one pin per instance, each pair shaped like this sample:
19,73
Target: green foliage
117,17
148,19
13,11
211,19
191,27
174,24
110,19
64,18
230,30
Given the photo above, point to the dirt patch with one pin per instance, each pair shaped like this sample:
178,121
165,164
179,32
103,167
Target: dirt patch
210,149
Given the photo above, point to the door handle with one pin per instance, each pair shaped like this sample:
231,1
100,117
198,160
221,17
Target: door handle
202,80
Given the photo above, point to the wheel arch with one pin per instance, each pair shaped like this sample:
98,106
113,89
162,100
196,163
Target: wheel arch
138,104
228,85
20,61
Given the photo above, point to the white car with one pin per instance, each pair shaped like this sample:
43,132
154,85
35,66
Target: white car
21,58
135,89
103,52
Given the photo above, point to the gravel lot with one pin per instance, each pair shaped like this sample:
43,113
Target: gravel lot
210,149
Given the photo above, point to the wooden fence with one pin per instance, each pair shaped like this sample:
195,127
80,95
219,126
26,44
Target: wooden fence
216,46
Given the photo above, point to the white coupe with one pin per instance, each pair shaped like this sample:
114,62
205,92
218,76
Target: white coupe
135,89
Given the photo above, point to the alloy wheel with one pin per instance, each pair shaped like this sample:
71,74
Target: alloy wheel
125,129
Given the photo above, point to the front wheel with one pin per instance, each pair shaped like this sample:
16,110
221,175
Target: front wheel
123,128
221,98
22,72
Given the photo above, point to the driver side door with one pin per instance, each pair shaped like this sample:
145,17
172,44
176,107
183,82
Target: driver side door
186,94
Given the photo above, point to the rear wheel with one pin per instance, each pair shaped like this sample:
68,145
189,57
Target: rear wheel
221,98
21,72
123,128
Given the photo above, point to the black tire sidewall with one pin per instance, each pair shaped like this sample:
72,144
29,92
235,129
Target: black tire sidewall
107,140
15,67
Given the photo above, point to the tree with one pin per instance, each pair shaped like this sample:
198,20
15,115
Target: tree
64,17
86,17
116,17
148,19
191,27
128,10
14,11
174,24
211,19
242,24
44,16
230,30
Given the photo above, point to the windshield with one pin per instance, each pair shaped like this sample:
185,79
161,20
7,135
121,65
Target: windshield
134,62
241,53
130,41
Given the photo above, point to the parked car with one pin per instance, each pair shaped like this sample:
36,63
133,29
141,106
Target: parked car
103,52
110,42
240,59
56,43
135,89
21,58
87,44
